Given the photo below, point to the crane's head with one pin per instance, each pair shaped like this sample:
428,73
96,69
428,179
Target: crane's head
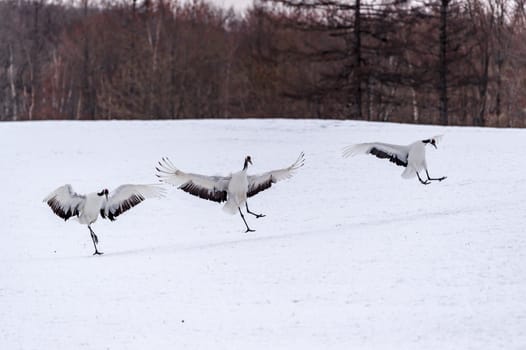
104,192
430,142
433,141
248,160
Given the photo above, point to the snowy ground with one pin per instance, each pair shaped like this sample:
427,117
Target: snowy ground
350,255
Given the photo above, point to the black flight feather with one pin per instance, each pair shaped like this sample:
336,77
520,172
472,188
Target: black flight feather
384,155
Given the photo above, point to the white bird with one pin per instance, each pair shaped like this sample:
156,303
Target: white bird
233,189
66,203
412,157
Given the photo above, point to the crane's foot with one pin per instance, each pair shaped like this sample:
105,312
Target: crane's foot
426,182
98,253
256,215
252,213
438,179
249,230
429,178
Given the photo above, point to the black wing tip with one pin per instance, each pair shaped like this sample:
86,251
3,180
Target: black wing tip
204,193
252,191
302,159
57,209
384,155
125,205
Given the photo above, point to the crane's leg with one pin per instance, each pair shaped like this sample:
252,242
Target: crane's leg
243,217
256,215
438,179
422,181
95,240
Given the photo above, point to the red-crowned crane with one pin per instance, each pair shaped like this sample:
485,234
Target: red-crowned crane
412,157
233,189
66,203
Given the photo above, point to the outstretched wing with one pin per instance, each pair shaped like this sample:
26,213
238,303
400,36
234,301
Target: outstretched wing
258,183
394,153
127,196
65,202
213,188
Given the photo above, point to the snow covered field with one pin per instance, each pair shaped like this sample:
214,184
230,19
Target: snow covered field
350,255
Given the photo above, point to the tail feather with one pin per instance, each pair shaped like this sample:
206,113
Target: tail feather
230,207
409,173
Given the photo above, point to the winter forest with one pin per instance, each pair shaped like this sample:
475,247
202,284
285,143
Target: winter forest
448,62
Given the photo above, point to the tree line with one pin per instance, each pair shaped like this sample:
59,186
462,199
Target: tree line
449,62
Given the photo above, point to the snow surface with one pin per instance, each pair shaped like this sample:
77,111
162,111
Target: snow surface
349,256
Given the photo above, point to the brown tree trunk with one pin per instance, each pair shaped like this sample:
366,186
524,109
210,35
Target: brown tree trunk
357,60
443,68
11,73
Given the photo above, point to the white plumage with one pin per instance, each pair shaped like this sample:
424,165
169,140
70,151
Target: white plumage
66,203
412,156
233,189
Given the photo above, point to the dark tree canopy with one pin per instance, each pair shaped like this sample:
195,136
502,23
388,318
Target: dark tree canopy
452,62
